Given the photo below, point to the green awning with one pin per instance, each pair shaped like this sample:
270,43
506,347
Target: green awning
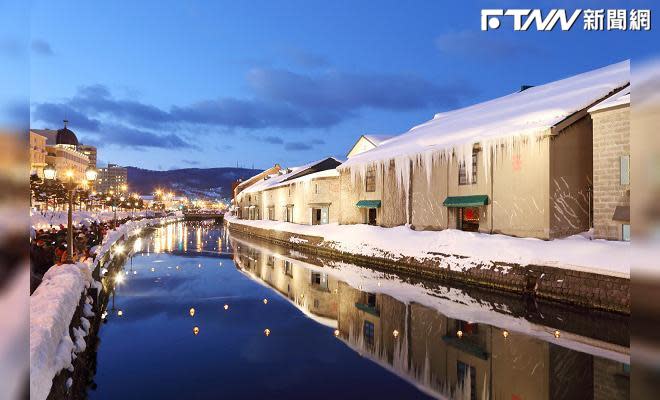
368,204
466,201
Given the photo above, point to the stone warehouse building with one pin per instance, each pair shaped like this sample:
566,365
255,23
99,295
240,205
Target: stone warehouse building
520,165
611,167
307,194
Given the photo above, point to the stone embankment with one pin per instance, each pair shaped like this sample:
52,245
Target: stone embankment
578,288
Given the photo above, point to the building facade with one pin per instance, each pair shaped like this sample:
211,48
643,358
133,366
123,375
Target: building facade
307,194
90,152
37,154
60,149
112,177
611,166
520,165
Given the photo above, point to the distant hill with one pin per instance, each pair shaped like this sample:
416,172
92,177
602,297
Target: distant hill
193,182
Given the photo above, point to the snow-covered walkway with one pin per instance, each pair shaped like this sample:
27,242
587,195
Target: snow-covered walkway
578,252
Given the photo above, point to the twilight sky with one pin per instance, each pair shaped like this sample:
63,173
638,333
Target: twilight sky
176,84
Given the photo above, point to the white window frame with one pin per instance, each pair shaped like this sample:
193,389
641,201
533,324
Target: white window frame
624,170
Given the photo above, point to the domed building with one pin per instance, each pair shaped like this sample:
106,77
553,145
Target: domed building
62,152
66,136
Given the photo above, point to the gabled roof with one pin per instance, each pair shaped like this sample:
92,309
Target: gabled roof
376,140
256,178
619,99
530,112
287,175
373,140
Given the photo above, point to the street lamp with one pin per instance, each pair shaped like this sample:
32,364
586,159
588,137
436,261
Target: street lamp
50,174
90,176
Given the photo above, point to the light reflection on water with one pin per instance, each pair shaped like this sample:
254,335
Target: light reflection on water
222,318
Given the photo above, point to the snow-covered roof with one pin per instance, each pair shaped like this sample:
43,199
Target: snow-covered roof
255,178
525,113
289,175
376,140
619,99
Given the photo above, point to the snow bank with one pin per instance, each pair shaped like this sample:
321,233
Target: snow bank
576,252
52,307
55,218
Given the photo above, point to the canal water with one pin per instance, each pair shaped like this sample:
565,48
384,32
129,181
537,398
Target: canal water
200,314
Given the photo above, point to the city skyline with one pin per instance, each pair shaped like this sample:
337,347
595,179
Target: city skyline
207,85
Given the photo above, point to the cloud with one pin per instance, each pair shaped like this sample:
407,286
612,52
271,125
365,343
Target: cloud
54,113
492,45
125,136
41,47
191,162
339,93
297,146
281,99
273,140
238,113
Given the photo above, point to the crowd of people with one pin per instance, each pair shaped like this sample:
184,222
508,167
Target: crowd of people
48,247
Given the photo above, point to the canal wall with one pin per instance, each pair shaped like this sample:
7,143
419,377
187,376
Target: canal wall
66,312
578,288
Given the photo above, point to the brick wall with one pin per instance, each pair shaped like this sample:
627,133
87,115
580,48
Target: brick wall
611,140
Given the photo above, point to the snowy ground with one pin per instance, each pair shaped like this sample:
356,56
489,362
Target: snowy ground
577,252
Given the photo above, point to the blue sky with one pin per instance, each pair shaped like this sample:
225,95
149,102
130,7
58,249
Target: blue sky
175,84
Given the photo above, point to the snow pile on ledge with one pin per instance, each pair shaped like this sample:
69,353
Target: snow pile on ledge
52,306
55,218
576,252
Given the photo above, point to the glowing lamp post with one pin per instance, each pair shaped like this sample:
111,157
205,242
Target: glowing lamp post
50,174
90,175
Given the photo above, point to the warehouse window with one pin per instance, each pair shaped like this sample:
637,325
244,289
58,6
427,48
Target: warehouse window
624,170
370,181
462,172
625,232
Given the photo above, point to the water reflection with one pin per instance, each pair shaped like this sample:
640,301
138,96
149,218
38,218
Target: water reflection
362,331
443,340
